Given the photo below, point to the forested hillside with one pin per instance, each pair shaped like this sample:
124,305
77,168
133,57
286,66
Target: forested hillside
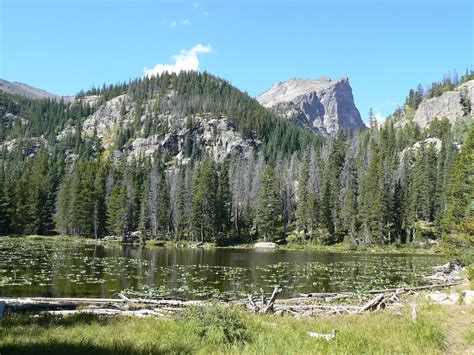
189,156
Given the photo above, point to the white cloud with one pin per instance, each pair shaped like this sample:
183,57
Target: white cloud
186,22
380,118
172,24
185,60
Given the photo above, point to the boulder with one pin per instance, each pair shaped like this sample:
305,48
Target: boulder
469,297
443,298
265,245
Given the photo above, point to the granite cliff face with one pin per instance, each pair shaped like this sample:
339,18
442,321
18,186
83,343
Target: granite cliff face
209,132
321,105
449,104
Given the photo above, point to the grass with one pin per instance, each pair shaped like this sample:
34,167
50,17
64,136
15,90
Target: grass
225,330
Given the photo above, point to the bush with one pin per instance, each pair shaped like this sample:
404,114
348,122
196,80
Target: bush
470,272
216,324
458,247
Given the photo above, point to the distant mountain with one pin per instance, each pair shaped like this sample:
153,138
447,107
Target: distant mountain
21,89
321,105
182,115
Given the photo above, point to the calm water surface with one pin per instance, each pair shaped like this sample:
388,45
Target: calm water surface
44,268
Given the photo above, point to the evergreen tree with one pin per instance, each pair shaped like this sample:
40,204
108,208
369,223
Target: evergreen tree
267,217
203,201
117,219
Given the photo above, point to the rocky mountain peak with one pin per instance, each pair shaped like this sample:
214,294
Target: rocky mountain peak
22,89
322,105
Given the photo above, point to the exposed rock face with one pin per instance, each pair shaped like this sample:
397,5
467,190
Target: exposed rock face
27,146
106,120
30,92
322,105
212,134
447,105
411,151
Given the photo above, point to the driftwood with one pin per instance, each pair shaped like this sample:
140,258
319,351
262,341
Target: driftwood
425,287
109,312
329,336
324,294
264,306
373,303
37,307
386,290
107,306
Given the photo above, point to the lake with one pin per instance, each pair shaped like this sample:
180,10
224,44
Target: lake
60,269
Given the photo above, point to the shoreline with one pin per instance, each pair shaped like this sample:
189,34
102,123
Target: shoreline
342,248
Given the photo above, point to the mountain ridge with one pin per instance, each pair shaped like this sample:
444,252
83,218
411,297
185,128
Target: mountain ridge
31,92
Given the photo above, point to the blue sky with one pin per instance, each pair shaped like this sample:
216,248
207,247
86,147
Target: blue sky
384,47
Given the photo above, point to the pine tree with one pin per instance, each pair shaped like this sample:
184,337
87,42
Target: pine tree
164,218
267,217
117,219
203,201
223,200
181,203
460,189
303,210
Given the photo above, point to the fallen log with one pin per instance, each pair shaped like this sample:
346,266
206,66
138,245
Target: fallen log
323,294
372,303
108,312
37,307
92,301
61,300
425,287
330,336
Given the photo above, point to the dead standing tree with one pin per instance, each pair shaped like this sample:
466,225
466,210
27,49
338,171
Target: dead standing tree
264,306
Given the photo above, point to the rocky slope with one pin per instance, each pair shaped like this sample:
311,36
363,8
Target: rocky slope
21,89
449,105
209,132
183,116
321,105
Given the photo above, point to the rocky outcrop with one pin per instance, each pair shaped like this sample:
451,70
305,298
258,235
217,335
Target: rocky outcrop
410,151
448,105
27,146
105,121
211,133
321,105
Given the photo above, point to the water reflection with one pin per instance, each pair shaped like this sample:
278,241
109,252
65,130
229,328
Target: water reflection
38,268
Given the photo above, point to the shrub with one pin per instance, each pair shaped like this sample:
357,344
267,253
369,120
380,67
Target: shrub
216,324
470,272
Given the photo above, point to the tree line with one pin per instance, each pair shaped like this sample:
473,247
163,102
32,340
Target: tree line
385,185
375,187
